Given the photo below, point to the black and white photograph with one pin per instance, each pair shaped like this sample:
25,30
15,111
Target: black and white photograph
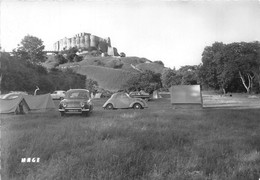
129,89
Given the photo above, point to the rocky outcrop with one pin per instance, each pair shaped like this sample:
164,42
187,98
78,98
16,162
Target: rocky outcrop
84,41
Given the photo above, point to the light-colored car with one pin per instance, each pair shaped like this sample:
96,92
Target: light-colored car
58,94
123,100
76,101
13,95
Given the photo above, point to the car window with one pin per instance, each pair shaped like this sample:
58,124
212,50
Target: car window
78,95
12,97
124,96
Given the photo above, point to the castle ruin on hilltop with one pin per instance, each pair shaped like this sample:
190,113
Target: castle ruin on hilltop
85,41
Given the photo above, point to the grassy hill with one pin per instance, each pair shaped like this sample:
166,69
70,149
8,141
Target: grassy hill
107,78
157,68
110,72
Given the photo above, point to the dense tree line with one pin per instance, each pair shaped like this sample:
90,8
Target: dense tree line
22,70
150,81
186,75
233,67
20,75
146,80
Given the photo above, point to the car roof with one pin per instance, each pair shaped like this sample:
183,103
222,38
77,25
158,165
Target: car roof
78,90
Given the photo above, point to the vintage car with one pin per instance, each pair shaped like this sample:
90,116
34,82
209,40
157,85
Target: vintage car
140,94
58,94
13,95
123,100
76,101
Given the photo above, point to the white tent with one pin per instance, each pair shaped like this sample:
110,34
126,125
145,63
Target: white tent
156,95
17,106
98,95
40,102
25,103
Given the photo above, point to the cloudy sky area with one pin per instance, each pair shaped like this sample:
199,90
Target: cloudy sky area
175,32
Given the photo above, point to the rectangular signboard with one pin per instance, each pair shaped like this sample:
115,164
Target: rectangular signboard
186,94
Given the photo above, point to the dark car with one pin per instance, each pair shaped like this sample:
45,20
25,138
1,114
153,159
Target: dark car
76,101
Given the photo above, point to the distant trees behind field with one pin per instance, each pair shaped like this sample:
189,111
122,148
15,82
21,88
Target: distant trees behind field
233,67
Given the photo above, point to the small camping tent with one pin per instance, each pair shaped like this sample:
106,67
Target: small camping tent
186,95
156,95
17,105
40,102
98,95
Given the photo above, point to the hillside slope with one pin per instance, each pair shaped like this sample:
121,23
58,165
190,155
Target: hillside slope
107,78
111,73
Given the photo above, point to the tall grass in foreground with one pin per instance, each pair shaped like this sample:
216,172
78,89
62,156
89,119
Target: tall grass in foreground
148,144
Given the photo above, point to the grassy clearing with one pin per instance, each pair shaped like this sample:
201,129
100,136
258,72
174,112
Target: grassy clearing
155,143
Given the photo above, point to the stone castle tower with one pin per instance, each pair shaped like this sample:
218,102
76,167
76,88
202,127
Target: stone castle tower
85,41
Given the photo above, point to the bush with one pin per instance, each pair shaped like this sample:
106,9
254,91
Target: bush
159,62
115,64
77,58
122,54
61,59
97,62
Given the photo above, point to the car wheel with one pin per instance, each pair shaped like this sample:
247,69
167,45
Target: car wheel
109,106
62,113
85,114
137,106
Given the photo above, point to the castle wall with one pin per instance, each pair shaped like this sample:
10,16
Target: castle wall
81,41
73,42
93,41
85,40
110,51
69,43
103,46
77,42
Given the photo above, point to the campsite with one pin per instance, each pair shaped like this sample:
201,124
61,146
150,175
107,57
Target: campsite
160,142
130,90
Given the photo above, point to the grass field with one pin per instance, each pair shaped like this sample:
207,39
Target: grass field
154,143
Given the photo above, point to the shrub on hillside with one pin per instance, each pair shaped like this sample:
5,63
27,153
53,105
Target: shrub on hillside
122,54
97,62
77,58
159,62
115,64
61,59
71,53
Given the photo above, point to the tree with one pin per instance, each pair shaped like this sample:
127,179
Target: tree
248,64
208,72
61,59
241,59
170,77
77,58
31,50
71,53
147,81
91,85
122,54
188,75
224,64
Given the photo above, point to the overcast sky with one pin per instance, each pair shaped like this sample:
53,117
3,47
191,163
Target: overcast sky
175,32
